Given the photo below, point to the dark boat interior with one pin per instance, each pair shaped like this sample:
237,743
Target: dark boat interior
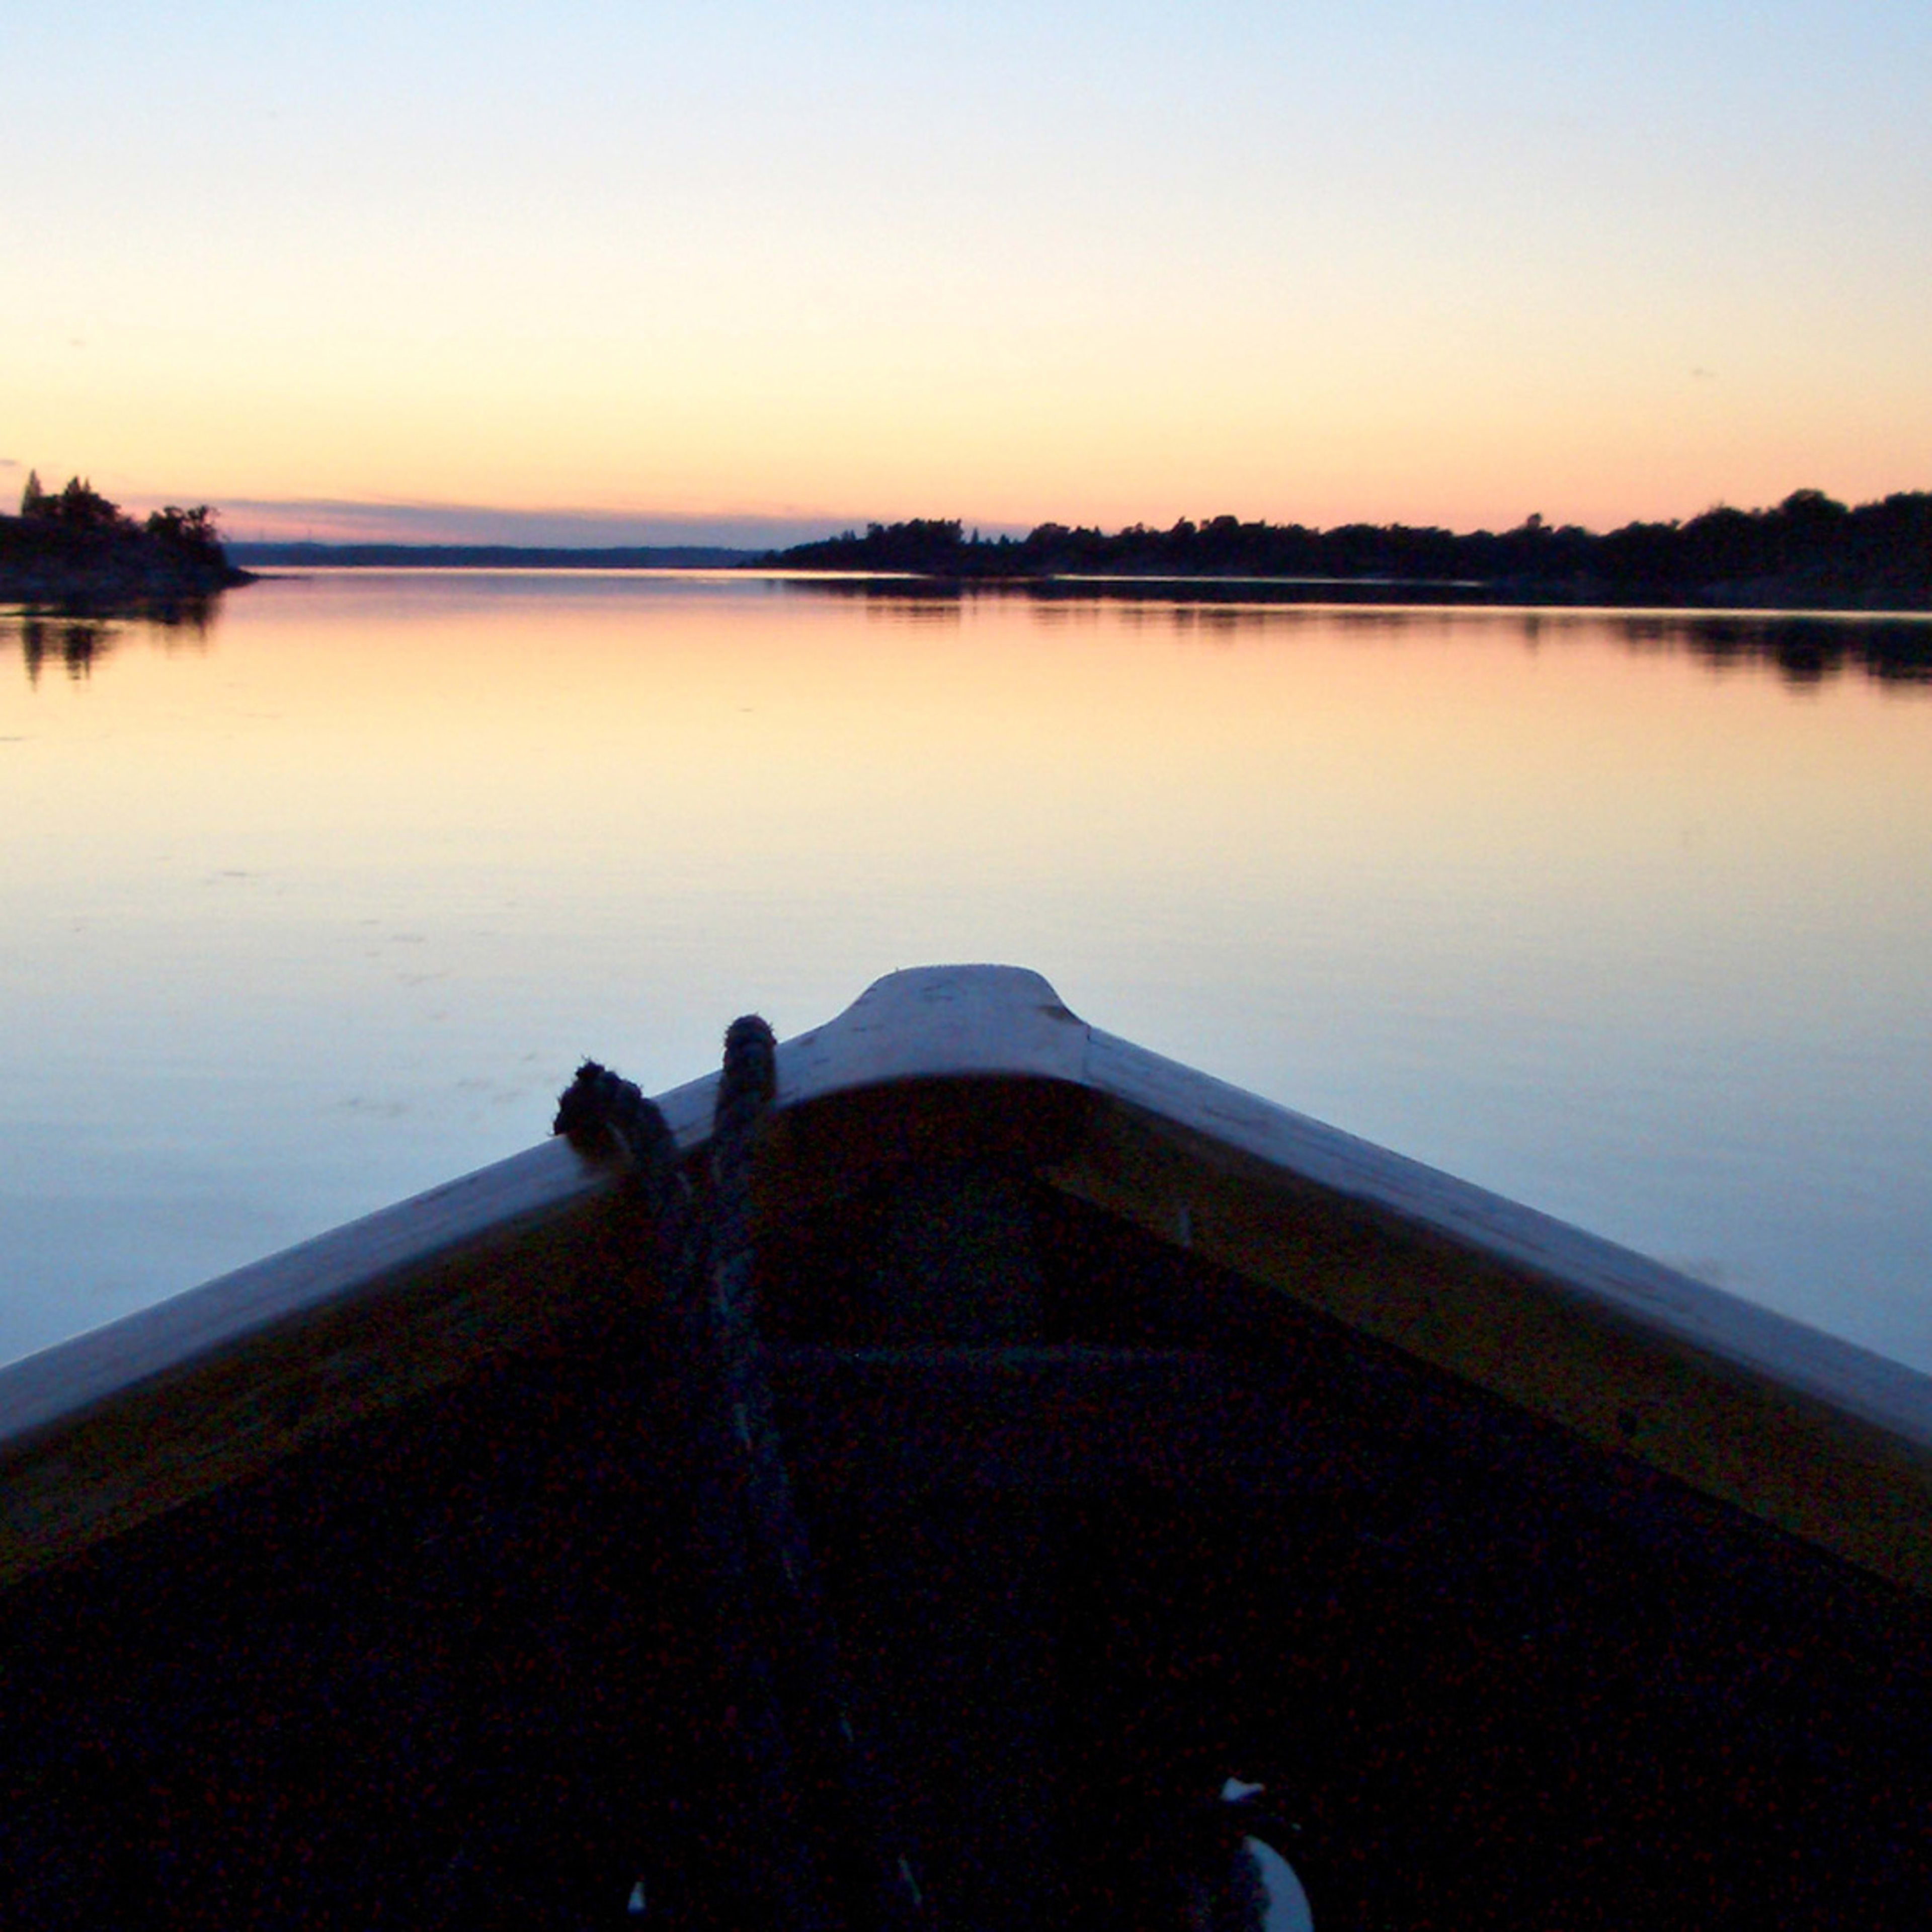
1099,1526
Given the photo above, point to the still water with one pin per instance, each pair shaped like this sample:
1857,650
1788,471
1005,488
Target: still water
309,908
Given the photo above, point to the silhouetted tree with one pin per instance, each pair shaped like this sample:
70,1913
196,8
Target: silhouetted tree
192,531
80,507
1808,548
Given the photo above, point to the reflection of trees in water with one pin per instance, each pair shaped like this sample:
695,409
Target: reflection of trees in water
1803,650
78,643
905,609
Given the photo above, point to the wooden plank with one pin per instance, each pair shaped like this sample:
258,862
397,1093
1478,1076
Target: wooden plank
178,1399
880,1425
1642,1292
952,1022
1821,1438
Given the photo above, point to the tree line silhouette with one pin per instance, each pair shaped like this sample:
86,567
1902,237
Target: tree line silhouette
73,544
1808,550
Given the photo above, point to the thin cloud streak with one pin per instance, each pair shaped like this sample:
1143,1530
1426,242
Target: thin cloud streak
329,520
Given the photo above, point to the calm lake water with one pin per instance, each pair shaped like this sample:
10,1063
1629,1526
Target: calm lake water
1630,918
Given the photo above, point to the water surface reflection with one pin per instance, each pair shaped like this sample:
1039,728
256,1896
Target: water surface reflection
1802,648
77,644
1628,916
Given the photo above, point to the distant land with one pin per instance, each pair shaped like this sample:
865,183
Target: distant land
74,548
1807,552
306,556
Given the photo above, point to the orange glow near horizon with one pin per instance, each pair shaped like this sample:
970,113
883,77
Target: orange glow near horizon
1007,264
1114,446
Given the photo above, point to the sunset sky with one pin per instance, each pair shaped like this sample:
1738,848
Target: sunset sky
633,272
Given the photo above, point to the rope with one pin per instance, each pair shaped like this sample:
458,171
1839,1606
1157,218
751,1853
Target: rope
599,1106
755,1543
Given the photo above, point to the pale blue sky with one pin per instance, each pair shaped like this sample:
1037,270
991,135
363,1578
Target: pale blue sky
1442,263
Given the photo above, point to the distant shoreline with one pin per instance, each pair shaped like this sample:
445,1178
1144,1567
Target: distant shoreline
1788,596
486,556
1807,553
76,553
79,586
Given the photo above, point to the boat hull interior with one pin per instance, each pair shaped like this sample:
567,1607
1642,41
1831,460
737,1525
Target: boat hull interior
1100,1527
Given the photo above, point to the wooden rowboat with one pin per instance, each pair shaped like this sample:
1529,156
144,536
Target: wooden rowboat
1144,1435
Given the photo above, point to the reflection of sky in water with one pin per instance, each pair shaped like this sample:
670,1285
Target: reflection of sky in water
1627,918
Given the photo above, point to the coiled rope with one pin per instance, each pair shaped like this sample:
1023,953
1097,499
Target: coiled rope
775,1628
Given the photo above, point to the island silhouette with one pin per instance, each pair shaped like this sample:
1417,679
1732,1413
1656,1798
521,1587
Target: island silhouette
74,549
1807,552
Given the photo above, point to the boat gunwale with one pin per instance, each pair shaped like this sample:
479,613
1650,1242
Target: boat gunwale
1796,1425
1618,1284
